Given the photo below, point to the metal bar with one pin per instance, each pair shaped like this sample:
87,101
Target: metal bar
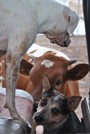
86,102
86,114
86,10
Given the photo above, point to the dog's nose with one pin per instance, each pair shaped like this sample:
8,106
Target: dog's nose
38,118
66,42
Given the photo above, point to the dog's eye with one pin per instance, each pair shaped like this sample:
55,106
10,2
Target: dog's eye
55,110
43,102
58,82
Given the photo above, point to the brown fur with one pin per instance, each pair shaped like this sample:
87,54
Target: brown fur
58,74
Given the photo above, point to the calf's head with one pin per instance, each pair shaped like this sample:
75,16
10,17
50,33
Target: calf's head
54,108
57,68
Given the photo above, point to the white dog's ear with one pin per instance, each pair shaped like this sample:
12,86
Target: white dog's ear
72,19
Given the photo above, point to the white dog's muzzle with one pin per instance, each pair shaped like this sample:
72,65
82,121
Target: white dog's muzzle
60,39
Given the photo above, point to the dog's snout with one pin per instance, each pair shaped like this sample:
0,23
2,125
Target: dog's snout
38,118
66,42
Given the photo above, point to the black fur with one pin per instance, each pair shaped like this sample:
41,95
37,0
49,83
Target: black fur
69,125
72,125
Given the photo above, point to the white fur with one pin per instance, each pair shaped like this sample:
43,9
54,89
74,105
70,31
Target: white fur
40,50
39,129
47,63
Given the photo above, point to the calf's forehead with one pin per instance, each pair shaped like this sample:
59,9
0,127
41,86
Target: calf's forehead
51,62
53,67
49,69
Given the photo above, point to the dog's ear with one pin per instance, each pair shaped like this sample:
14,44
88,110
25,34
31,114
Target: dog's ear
46,84
72,19
73,102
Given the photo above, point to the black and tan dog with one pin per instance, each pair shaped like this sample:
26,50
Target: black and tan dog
56,112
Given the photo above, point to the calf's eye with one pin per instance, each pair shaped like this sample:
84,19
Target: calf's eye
58,82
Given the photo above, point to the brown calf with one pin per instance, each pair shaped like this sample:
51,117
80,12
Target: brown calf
53,63
60,73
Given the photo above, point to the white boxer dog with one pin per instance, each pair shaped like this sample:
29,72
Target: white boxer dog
20,22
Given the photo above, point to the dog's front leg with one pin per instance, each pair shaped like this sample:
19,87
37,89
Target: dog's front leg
12,67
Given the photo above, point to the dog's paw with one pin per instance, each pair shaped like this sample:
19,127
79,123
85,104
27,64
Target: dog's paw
24,126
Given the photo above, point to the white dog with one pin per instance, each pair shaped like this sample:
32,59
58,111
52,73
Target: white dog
20,22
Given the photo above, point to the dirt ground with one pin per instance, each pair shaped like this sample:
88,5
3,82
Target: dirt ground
76,50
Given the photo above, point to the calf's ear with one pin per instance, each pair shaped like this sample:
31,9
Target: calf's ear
78,72
25,67
73,102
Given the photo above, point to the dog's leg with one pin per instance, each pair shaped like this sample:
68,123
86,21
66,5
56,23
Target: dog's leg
16,47
12,67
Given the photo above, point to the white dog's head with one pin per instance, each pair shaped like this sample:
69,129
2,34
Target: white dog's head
64,26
